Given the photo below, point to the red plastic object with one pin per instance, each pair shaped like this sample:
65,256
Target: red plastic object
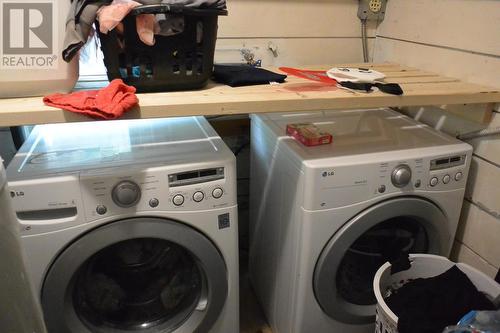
308,134
317,76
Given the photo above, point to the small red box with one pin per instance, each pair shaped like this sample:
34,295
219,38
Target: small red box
308,134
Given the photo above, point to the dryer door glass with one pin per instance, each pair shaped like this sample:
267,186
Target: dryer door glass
344,273
383,242
136,275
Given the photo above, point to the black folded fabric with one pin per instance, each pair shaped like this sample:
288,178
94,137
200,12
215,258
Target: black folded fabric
429,305
388,88
244,75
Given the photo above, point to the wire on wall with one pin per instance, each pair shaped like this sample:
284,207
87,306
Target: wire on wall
364,40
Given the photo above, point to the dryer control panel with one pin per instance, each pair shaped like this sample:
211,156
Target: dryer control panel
158,189
347,184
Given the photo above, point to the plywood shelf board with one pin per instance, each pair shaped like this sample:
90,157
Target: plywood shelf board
421,88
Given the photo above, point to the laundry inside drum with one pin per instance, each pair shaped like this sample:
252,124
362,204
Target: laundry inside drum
371,250
138,284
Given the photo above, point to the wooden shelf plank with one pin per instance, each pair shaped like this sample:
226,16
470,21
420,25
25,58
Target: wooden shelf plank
421,88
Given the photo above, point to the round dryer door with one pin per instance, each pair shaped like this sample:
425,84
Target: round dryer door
137,275
343,277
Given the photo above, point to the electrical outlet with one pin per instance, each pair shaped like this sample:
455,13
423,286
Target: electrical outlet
372,9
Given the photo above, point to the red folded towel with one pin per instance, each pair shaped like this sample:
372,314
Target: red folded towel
108,103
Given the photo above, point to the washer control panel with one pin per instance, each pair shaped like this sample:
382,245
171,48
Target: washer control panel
158,189
351,183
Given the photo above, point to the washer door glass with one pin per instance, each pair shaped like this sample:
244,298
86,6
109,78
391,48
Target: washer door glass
136,284
138,275
343,277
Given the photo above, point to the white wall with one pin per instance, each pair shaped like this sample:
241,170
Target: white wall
456,38
304,31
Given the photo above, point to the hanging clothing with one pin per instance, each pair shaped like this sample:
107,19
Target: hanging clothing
81,17
111,15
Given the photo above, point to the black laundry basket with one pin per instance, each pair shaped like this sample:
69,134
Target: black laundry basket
178,62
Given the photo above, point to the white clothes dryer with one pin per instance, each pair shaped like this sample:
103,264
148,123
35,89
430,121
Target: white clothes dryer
325,218
130,226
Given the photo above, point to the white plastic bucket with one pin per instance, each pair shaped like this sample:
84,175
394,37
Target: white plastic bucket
32,34
422,266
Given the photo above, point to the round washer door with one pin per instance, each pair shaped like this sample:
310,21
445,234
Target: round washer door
136,275
343,276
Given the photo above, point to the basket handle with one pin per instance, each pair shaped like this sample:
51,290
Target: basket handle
163,8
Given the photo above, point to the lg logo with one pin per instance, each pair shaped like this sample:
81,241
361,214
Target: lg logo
328,173
16,194
28,34
27,28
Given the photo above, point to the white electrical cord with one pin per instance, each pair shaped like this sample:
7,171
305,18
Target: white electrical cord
364,40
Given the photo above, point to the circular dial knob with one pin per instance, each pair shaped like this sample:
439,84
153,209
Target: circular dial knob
178,199
126,194
434,181
198,196
217,193
401,175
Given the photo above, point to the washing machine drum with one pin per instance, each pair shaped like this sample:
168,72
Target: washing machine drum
343,277
137,275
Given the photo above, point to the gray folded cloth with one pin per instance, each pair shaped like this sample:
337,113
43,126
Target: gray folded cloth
83,13
81,17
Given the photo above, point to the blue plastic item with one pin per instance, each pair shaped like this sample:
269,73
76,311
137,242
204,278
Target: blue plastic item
477,322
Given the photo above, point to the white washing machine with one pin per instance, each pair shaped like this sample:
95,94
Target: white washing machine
130,226
325,218
18,305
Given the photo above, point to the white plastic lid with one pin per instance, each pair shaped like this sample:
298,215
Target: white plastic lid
351,74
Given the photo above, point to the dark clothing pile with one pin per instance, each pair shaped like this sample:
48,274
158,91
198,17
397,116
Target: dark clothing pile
429,305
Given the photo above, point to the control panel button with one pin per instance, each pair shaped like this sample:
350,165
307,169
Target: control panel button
381,189
418,183
101,210
198,196
446,179
154,203
217,193
178,199
401,175
458,176
126,194
434,181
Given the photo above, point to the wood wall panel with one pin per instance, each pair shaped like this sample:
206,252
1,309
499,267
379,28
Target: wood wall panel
462,253
480,232
472,25
293,52
292,18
